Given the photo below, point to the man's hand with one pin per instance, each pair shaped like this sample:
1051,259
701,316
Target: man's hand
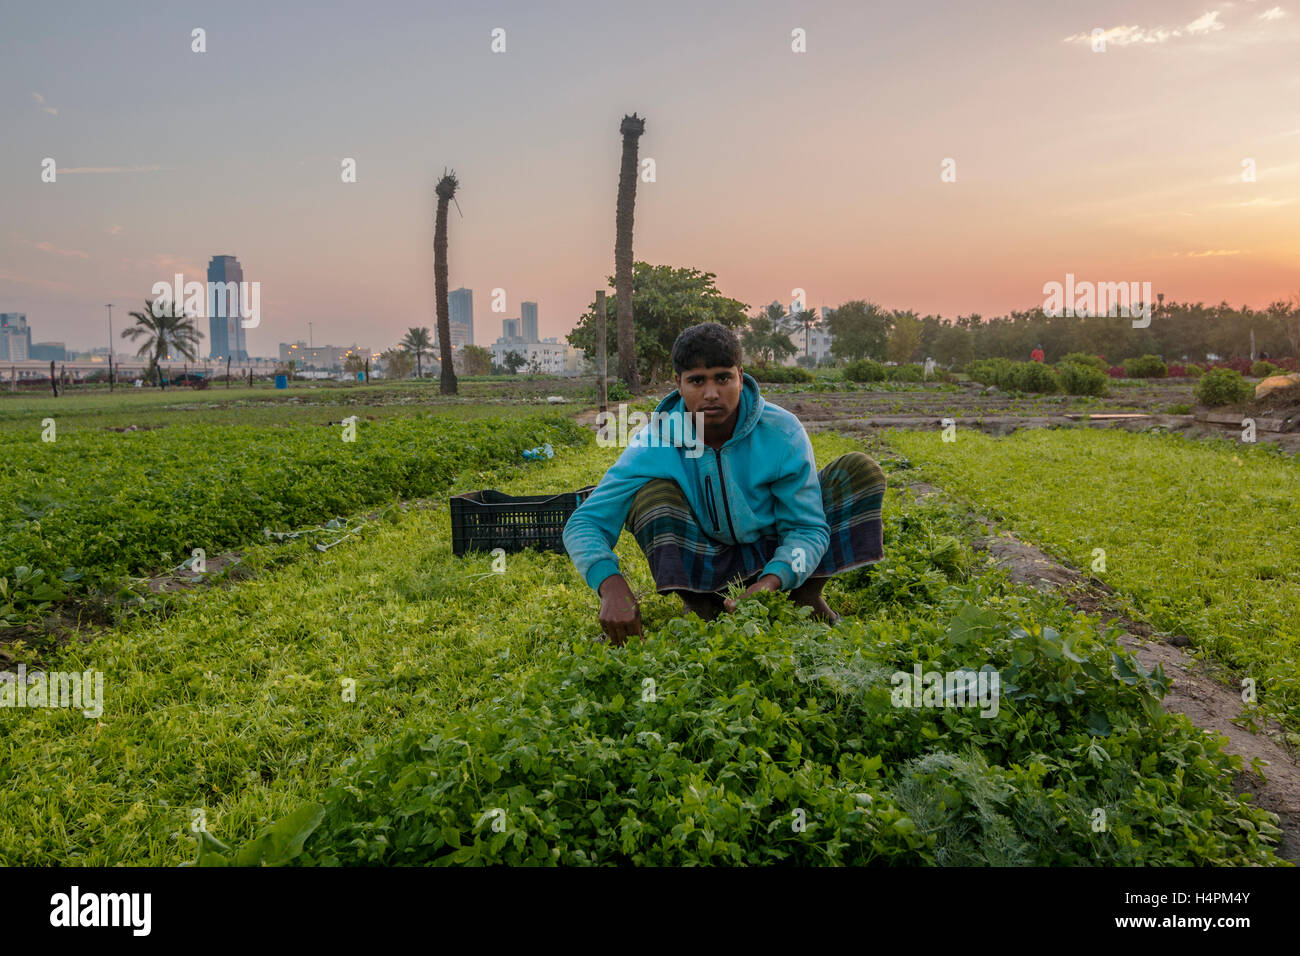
768,582
620,615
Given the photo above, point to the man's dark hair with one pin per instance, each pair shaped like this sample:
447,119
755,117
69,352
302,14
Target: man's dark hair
707,345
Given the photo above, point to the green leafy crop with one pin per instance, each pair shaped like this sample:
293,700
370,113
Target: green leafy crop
85,511
766,738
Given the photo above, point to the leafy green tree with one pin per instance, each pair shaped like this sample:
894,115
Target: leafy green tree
763,340
514,362
1289,319
667,301
953,345
478,360
931,326
398,363
859,330
904,337
354,363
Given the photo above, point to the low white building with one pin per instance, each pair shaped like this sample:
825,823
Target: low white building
816,344
549,357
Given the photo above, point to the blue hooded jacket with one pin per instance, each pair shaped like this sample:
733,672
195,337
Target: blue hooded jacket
762,483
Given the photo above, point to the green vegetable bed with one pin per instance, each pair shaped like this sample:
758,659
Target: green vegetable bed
1204,536
80,513
765,738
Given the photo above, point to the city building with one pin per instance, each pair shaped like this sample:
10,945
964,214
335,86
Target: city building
510,331
816,344
460,337
323,357
460,316
461,312
528,316
15,337
49,352
225,311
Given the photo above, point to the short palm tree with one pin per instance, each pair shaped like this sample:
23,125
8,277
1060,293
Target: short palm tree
166,330
418,343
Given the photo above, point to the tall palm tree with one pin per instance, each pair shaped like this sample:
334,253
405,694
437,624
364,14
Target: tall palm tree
166,330
808,319
417,342
632,127
446,190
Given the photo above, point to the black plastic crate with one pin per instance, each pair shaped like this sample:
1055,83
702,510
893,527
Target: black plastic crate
485,520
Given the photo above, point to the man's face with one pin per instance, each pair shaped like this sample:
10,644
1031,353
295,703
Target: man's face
713,391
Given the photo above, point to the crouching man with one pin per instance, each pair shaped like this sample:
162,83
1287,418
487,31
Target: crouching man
739,498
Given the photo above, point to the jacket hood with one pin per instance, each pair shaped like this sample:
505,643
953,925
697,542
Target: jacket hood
751,407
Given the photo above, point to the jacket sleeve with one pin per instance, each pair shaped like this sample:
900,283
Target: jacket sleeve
593,529
801,524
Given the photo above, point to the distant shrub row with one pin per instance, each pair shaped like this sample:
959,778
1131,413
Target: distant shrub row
1148,366
1074,377
1145,366
866,370
779,374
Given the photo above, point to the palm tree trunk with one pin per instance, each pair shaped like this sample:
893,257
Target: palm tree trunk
446,189
632,127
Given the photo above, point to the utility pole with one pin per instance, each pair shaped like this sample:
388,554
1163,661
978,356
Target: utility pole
110,346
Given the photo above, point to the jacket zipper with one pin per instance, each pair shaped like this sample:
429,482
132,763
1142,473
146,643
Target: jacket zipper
722,483
708,495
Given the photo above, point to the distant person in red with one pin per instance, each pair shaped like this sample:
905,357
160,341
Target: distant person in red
1037,354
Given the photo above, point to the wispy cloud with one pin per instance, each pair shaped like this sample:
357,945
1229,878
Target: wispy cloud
1264,201
1273,13
1216,252
109,169
1205,23
52,110
1129,35
51,247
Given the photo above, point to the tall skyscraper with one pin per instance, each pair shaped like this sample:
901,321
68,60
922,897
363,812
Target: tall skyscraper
528,313
510,329
15,337
461,312
225,309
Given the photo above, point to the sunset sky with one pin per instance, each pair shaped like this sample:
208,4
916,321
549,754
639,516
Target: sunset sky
775,169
